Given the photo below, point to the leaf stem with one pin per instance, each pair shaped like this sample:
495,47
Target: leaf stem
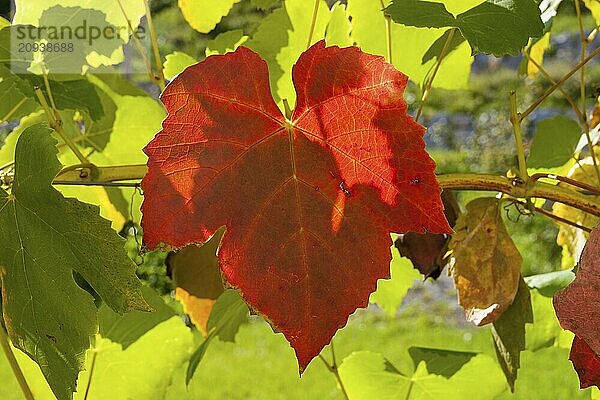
138,44
13,110
586,128
583,41
515,119
313,23
438,63
160,78
574,105
287,109
49,91
388,32
569,181
554,216
562,80
333,368
513,187
517,188
10,356
409,391
56,124
89,382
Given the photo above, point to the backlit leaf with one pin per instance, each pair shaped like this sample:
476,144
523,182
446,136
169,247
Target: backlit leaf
308,203
485,263
226,42
280,39
545,330
127,328
175,63
551,282
440,362
368,376
409,45
496,27
541,367
391,292
45,238
536,52
339,27
143,371
594,7
204,15
228,314
554,142
73,13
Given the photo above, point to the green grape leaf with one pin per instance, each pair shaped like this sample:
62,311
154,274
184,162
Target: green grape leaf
175,63
339,27
391,292
409,46
496,27
545,331
440,362
69,92
229,312
143,371
127,328
422,14
509,333
434,51
226,42
76,94
263,4
204,15
128,135
554,142
45,238
368,375
280,39
7,151
551,282
105,50
486,264
113,205
15,97
559,380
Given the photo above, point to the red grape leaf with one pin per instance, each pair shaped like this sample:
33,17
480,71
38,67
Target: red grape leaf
586,363
577,305
308,202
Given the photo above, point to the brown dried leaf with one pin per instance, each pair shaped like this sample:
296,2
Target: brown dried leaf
485,262
426,250
197,277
